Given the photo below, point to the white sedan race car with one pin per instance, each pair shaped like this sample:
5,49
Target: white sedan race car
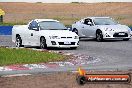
44,33
101,28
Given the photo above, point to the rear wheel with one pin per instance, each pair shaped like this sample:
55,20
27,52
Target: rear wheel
99,36
43,44
127,39
18,41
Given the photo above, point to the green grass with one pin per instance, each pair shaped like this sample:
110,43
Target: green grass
75,2
12,24
130,25
61,18
10,56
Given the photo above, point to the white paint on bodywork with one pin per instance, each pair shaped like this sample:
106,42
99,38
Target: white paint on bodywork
34,40
90,31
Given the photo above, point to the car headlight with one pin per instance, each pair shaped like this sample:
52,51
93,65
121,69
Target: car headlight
76,37
129,30
109,29
54,37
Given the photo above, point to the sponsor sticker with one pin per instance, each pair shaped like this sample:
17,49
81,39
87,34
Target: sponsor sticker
83,77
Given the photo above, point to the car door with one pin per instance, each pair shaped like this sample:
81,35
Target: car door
33,33
88,28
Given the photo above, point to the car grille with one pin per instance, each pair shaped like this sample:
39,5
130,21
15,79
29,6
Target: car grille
117,35
62,43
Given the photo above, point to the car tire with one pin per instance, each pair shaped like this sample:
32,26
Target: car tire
18,41
43,44
99,36
81,80
73,48
75,30
127,39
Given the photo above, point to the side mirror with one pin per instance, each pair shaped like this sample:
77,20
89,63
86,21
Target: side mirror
89,23
82,21
118,22
69,28
36,29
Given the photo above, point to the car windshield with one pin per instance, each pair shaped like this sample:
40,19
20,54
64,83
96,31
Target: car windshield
51,25
104,21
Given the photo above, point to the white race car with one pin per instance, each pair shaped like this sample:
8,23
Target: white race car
101,28
44,33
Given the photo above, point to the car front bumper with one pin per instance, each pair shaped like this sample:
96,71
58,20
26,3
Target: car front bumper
63,43
115,35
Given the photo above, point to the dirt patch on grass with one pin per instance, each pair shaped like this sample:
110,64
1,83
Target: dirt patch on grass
56,80
67,13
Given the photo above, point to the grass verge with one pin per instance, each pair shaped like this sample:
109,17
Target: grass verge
12,24
10,56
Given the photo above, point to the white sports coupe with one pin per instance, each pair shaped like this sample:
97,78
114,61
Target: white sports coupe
101,28
44,33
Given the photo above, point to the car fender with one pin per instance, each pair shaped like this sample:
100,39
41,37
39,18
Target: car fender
77,26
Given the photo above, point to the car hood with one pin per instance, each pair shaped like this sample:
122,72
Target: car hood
115,27
60,33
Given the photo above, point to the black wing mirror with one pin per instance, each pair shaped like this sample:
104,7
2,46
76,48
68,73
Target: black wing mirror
89,23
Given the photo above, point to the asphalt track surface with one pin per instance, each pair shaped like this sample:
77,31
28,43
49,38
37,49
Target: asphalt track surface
113,55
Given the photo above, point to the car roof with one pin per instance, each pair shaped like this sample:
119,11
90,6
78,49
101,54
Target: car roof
40,20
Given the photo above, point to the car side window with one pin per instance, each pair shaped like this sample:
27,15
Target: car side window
33,24
87,21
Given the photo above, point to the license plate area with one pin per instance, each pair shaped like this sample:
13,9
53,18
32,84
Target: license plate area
121,34
66,42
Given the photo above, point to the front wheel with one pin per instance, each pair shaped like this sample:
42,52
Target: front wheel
127,39
99,36
18,41
43,44
75,30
